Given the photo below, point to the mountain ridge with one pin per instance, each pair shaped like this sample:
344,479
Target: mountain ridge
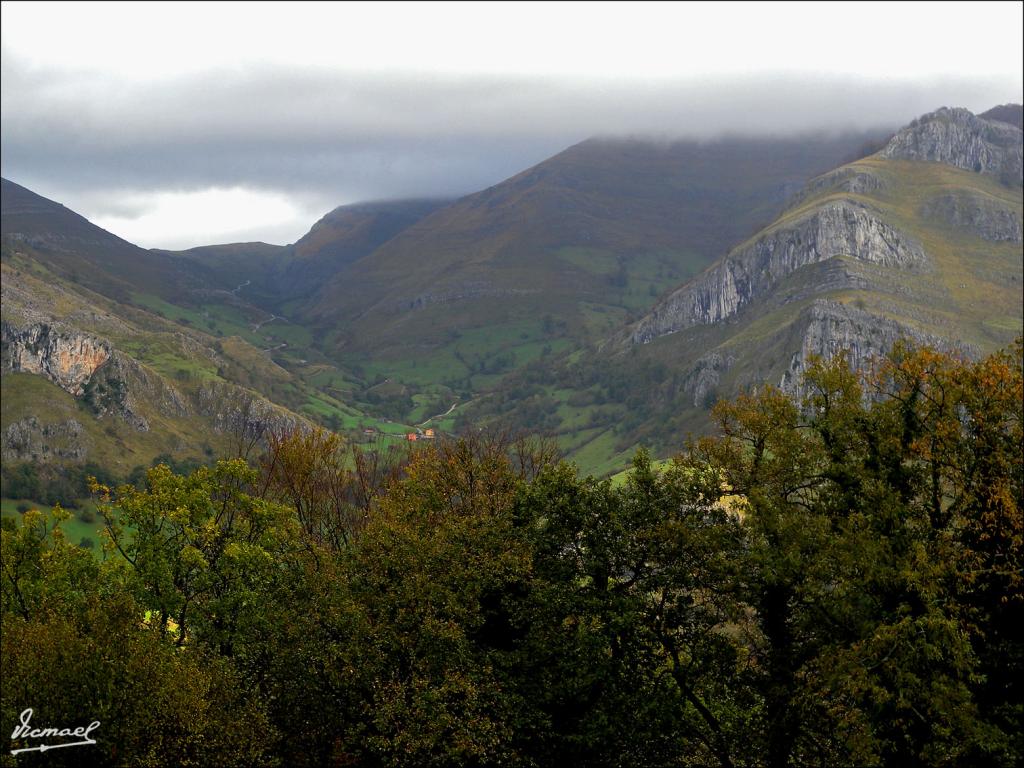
879,249
951,137
605,221
553,301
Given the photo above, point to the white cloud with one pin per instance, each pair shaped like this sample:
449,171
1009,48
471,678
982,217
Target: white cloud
179,220
618,41
193,107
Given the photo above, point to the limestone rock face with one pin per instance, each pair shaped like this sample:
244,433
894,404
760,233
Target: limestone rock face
959,138
237,411
84,366
112,384
854,181
68,359
29,439
837,228
831,328
983,216
703,380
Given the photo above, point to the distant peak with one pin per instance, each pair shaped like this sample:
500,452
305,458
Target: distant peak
956,136
17,199
1012,114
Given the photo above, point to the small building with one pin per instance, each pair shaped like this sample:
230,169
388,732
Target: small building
412,437
428,434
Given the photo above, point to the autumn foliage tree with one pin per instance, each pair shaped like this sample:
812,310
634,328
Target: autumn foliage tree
834,579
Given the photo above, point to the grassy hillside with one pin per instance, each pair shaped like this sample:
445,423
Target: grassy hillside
195,367
602,405
76,250
492,309
588,237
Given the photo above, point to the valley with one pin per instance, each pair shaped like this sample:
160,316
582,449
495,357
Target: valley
512,385
606,298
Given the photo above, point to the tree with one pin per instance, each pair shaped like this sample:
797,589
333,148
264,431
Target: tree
76,649
623,652
421,586
202,548
331,485
882,537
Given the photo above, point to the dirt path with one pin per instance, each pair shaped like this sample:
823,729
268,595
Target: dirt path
270,319
438,416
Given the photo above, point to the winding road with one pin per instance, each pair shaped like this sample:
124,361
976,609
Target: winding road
270,319
438,416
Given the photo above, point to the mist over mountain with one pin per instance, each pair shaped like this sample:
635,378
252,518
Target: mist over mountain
679,271
144,153
1012,114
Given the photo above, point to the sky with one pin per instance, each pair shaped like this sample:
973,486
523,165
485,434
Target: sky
179,124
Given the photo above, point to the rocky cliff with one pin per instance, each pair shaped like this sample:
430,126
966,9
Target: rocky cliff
959,138
986,217
829,328
88,368
237,411
33,440
848,179
919,242
68,359
114,385
836,228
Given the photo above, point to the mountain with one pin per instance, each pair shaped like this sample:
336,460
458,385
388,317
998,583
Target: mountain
562,253
273,275
920,240
139,353
853,212
77,250
116,355
606,296
1006,113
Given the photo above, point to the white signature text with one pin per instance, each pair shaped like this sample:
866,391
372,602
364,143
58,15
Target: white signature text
25,731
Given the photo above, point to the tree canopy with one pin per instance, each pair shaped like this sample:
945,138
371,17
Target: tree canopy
832,581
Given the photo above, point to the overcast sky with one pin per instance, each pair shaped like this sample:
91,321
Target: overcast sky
176,125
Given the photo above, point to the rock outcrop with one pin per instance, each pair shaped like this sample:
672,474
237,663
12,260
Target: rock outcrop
90,369
702,382
848,179
114,385
66,358
237,411
959,138
30,440
986,217
837,228
831,328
